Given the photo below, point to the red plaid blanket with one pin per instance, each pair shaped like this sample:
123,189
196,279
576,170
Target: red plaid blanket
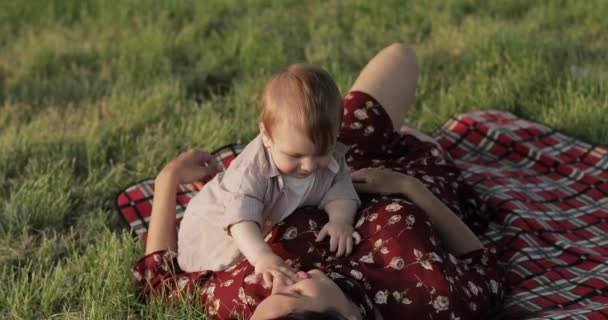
547,194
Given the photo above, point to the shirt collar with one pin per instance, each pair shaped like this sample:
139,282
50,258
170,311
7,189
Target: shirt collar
270,169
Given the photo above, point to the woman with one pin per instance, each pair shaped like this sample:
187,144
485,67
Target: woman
416,256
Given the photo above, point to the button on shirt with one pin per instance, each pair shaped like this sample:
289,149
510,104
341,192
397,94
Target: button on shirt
252,189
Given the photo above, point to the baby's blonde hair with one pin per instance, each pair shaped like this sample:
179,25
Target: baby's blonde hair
307,97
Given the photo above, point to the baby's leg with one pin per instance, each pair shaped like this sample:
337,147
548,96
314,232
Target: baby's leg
390,77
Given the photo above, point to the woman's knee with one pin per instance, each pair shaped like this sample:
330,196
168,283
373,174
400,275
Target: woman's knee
406,55
390,77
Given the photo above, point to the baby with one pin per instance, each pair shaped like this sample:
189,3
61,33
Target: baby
295,161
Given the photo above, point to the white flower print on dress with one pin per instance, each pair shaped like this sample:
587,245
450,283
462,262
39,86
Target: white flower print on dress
427,265
473,306
356,274
368,130
427,179
397,263
411,220
380,297
393,207
435,257
356,125
394,219
210,291
237,271
484,260
384,250
453,317
441,303
181,282
494,286
251,279
290,233
378,243
473,288
313,225
396,295
479,270
452,259
369,104
359,222
368,258
242,295
373,217
227,283
361,114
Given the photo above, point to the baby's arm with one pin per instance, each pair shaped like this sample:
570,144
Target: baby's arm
340,202
249,240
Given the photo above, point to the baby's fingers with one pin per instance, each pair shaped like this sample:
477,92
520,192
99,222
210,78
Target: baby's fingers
289,274
341,247
268,277
322,234
349,245
334,241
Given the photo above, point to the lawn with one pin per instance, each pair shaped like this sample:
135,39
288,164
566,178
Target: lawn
96,94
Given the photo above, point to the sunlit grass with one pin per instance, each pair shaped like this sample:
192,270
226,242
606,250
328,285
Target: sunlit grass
96,94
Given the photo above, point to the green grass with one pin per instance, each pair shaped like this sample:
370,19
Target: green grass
95,95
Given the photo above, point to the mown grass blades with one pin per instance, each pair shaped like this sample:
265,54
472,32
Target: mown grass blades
97,94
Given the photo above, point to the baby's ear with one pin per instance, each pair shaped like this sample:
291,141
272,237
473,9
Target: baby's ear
265,135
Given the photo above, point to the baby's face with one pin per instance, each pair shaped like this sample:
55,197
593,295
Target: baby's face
293,152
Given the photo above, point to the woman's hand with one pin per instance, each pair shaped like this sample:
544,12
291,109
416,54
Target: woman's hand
372,180
192,167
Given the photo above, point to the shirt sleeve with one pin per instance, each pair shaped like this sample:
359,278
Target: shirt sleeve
342,184
243,197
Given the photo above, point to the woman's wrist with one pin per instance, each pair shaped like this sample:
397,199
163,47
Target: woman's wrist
407,184
167,176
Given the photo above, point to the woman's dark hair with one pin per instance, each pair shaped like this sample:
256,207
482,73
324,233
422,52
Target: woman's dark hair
330,314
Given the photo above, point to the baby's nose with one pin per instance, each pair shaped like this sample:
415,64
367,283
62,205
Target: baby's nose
308,165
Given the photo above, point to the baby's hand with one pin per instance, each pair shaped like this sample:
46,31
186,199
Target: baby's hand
270,266
341,237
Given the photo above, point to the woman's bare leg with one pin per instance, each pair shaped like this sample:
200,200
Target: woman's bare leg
390,77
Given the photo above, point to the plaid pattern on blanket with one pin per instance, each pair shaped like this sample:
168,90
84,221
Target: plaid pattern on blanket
548,196
134,204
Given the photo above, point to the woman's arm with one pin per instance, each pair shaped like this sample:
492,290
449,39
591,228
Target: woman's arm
456,236
188,167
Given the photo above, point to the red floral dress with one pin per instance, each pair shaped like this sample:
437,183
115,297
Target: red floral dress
400,267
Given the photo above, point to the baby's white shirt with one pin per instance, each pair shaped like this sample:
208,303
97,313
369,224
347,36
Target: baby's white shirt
298,190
